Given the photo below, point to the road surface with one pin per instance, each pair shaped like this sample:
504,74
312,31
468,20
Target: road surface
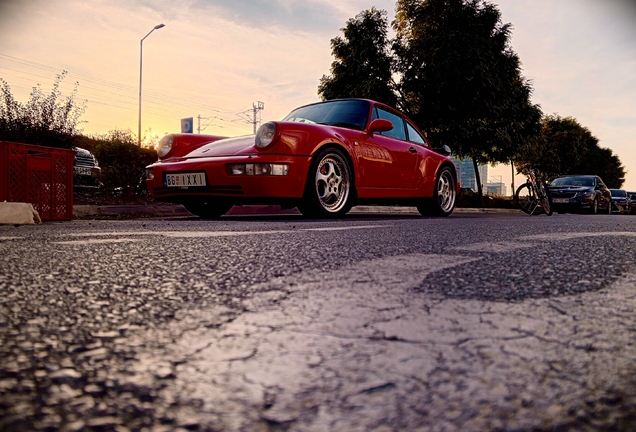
372,322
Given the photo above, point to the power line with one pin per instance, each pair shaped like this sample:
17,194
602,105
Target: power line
111,93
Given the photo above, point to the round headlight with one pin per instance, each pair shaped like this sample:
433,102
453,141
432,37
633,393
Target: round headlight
165,145
265,135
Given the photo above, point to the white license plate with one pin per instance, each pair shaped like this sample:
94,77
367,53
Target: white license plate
560,200
192,179
86,171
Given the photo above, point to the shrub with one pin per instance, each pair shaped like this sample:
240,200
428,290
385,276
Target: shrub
47,120
121,160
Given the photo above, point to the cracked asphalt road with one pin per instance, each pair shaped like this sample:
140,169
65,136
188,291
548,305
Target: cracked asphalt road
474,322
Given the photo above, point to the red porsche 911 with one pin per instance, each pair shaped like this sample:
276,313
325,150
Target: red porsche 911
322,158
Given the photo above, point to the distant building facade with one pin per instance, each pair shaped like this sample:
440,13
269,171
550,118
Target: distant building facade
466,173
496,188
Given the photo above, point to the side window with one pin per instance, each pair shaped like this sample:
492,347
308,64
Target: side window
398,124
414,135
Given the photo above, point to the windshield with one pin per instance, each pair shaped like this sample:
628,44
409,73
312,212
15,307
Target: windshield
618,193
351,114
573,181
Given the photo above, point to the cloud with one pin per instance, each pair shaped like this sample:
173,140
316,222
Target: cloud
294,15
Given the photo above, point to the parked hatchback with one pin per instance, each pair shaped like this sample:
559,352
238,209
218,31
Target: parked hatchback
621,202
580,193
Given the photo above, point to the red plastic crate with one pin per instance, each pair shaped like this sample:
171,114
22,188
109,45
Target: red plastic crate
42,176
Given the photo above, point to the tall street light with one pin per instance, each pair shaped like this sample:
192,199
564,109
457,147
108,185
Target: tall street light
141,52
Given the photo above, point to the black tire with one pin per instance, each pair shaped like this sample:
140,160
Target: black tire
444,195
526,199
329,189
544,198
208,210
594,208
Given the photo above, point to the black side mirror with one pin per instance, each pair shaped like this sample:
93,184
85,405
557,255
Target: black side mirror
445,150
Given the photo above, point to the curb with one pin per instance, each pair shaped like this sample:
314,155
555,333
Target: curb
81,211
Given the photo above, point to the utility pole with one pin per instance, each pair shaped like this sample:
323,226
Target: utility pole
199,118
256,108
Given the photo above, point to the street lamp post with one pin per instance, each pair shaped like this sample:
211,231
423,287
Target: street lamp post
141,52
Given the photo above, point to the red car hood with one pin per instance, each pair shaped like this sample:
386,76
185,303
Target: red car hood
225,147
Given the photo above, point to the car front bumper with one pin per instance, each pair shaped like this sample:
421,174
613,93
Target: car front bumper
87,177
574,204
219,183
620,207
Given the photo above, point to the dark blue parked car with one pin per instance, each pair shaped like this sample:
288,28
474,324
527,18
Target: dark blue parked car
580,193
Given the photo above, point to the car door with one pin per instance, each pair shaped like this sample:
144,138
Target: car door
387,159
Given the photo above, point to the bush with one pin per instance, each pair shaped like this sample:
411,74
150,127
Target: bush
46,120
121,160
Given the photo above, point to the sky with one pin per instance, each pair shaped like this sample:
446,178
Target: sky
216,59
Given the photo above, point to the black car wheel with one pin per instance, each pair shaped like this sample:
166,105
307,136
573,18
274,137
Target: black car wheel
208,210
329,187
594,207
443,201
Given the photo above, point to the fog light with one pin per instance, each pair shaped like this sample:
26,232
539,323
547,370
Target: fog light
150,174
259,169
236,169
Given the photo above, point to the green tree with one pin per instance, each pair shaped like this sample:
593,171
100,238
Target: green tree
460,79
567,147
362,66
48,120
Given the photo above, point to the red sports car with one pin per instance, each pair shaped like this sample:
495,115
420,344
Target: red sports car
322,158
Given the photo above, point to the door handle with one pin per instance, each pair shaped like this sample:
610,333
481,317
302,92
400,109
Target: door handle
413,150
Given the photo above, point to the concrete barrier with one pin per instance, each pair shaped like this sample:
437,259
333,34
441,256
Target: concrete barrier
18,214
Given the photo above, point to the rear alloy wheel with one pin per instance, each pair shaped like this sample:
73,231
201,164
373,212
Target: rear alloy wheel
443,201
208,210
329,188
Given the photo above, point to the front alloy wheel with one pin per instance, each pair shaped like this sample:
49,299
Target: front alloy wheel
329,186
594,207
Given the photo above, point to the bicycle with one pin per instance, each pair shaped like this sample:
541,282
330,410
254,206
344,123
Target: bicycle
532,196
